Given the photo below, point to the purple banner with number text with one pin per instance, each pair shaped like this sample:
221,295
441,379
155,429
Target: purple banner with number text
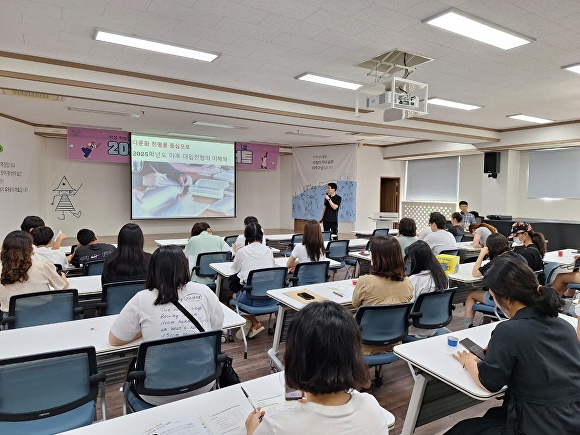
256,156
98,145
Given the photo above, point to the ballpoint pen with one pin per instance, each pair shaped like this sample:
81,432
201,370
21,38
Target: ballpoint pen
248,397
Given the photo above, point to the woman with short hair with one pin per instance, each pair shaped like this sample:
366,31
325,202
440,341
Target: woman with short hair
328,368
534,353
407,233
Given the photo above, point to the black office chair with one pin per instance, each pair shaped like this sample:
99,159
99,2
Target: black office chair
173,366
337,250
115,296
42,308
432,310
230,240
50,392
295,240
93,267
202,268
450,252
380,232
382,325
312,272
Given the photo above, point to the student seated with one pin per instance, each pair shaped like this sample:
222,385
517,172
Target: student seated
311,248
241,240
426,275
387,283
23,272
253,256
534,353
407,233
534,244
480,234
456,229
42,237
328,368
152,315
89,249
202,240
128,262
31,222
439,239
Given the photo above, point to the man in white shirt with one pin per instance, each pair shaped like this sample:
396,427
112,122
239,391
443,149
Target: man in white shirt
439,239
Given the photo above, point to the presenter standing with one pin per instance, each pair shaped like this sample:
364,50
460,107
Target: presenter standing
330,211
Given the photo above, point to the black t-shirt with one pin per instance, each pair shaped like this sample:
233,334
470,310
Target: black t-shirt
95,252
331,215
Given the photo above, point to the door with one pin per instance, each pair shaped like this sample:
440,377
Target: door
390,195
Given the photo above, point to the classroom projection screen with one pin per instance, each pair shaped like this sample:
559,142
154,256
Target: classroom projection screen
181,178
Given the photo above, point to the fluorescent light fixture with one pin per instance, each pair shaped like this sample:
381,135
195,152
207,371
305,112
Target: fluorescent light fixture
476,28
147,44
92,127
297,133
217,125
195,136
533,119
105,112
574,68
453,104
329,81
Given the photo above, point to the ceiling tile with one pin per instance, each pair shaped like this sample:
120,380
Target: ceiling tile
231,9
289,8
289,25
383,17
332,20
262,46
301,43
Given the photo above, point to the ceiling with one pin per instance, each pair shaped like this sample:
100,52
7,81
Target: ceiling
47,46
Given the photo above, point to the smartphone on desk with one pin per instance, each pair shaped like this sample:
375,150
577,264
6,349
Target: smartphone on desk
292,394
473,348
306,296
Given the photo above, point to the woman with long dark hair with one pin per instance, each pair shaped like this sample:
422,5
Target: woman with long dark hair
387,282
535,353
22,272
152,315
311,248
323,359
129,261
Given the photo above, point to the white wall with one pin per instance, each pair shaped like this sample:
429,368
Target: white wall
22,148
105,202
370,168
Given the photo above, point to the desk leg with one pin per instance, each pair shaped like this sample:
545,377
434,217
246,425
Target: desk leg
414,405
218,285
273,352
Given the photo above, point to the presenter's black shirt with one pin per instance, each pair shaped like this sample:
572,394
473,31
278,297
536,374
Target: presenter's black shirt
331,215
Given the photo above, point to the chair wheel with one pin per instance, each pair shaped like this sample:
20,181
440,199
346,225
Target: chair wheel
231,338
377,382
270,331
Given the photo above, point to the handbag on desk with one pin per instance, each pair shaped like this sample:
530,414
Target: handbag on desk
228,375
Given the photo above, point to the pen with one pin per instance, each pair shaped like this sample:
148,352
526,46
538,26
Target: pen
248,397
151,166
338,293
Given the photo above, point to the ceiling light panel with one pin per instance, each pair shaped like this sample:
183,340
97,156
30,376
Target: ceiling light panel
217,125
452,104
329,81
574,68
528,118
105,112
147,44
476,28
195,136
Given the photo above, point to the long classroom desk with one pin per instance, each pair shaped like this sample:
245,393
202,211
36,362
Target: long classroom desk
442,386
337,291
217,412
112,360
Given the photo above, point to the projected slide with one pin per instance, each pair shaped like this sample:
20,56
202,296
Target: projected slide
181,178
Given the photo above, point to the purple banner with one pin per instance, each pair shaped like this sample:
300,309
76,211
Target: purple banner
256,156
98,145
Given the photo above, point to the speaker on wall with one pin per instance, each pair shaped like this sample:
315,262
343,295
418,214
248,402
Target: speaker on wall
491,163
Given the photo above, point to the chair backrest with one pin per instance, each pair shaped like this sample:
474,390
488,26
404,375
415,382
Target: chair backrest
337,249
433,310
230,240
261,280
115,295
327,236
93,267
42,308
312,272
177,365
380,232
450,252
549,269
202,268
58,267
467,237
39,386
458,237
383,324
295,240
